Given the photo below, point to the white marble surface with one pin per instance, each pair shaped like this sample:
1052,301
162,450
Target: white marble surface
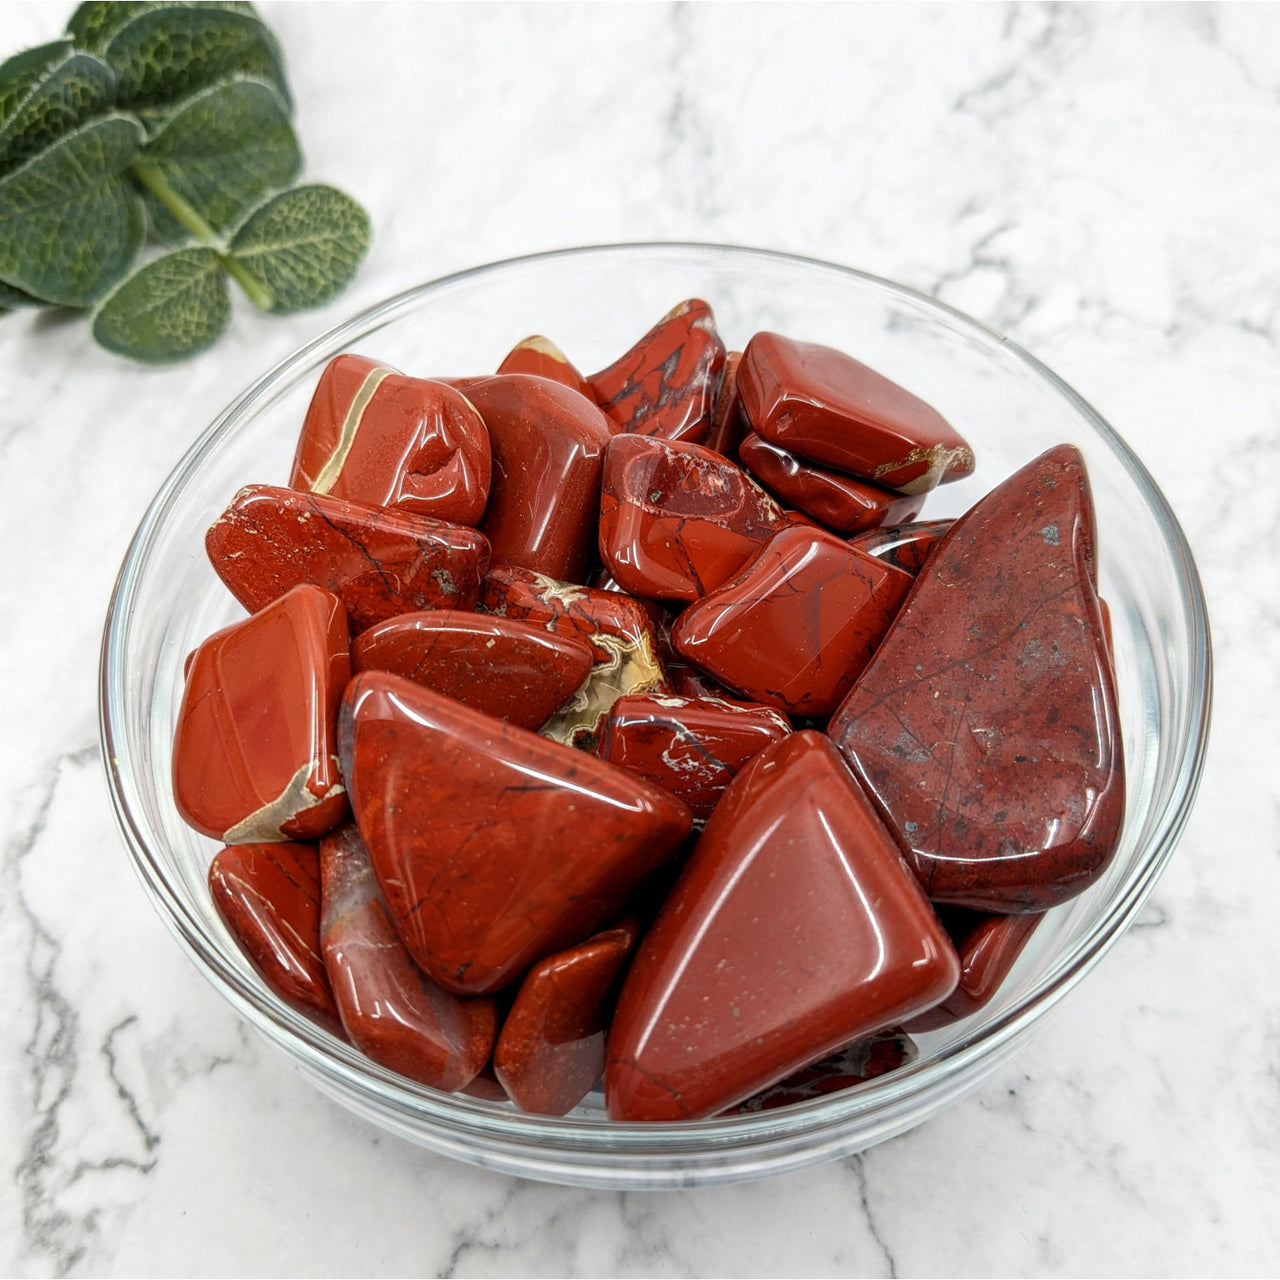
1102,183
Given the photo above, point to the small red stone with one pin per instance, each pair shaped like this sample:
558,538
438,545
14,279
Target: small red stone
493,845
541,357
254,753
551,1050
822,405
794,930
797,625
677,520
666,384
727,420
378,562
373,435
392,1011
510,670
268,896
905,546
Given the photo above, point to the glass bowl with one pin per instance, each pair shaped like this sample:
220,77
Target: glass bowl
594,303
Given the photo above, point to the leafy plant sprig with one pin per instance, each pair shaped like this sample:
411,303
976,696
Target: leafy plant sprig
170,122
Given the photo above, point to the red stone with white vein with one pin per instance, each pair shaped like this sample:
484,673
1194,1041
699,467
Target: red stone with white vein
541,357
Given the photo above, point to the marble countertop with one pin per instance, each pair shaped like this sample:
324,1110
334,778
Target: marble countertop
1101,183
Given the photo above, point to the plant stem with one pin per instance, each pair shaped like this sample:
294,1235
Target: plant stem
154,181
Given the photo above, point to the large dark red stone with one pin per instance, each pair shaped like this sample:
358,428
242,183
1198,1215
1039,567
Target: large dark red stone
254,754
493,845
985,725
542,358
794,929
373,435
677,520
378,562
666,384
797,625
822,405
905,546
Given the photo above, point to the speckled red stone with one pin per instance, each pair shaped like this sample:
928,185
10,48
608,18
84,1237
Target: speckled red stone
797,625
677,520
510,670
373,435
391,1010
268,896
378,562
905,546
254,754
666,384
551,1050
727,420
492,845
823,405
541,357
794,930
985,725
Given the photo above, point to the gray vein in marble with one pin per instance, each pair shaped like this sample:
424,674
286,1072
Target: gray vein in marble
859,1166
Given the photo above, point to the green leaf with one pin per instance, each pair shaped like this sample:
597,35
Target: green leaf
19,74
70,224
64,97
222,151
304,245
11,298
94,23
170,308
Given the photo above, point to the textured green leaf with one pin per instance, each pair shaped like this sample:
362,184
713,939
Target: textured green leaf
170,308
11,298
19,74
94,23
222,151
70,92
304,245
70,224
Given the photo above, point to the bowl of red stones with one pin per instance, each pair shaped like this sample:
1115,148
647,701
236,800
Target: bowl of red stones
655,714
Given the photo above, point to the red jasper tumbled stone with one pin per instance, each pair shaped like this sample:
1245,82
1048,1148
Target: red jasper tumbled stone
254,754
541,357
551,1050
985,726
378,562
726,415
794,929
905,546
493,845
666,384
825,406
373,435
510,670
797,625
677,520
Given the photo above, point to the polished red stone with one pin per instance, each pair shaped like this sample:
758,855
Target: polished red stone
677,520
986,725
841,503
494,846
541,357
510,670
905,546
254,752
548,447
373,435
824,406
692,748
391,1010
268,896
551,1050
794,930
797,625
987,946
727,420
378,562
666,384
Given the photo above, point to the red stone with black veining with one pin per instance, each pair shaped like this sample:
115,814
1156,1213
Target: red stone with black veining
986,723
905,546
541,357
727,420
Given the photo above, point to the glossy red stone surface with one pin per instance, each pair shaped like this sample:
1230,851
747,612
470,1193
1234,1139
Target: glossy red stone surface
551,1050
268,896
797,625
666,384
905,546
254,755
986,725
493,846
378,562
794,930
691,748
841,503
373,435
824,406
541,357
727,421
391,1010
548,446
677,520
510,670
